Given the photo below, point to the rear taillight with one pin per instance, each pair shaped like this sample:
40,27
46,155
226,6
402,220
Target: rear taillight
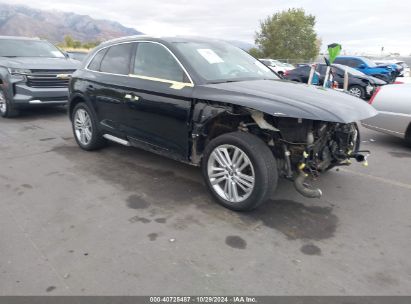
398,82
286,73
373,95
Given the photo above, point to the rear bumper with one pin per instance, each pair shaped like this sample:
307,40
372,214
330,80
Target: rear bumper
25,96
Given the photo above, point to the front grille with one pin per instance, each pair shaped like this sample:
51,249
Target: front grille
49,78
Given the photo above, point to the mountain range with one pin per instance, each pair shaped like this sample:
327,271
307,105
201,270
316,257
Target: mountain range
19,20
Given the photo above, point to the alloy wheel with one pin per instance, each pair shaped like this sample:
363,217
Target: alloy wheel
231,173
3,103
83,126
356,92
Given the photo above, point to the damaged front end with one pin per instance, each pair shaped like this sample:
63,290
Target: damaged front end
306,148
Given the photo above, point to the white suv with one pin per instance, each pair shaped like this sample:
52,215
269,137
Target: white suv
277,66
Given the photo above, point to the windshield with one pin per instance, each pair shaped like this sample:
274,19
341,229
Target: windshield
222,62
369,62
28,48
350,70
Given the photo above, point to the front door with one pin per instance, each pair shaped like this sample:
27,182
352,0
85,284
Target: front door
159,100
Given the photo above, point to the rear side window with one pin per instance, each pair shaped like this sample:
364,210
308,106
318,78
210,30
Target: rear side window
117,59
96,61
154,60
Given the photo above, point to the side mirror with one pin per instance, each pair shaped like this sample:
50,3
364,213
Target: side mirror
362,66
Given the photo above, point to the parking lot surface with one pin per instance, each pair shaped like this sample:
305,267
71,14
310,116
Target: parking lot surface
122,221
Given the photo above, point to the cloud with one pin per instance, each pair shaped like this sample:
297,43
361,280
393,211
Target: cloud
357,25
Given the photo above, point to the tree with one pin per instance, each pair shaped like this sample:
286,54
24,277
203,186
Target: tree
256,53
68,41
288,35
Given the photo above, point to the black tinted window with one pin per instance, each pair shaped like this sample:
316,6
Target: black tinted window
321,68
354,63
117,59
154,60
341,61
95,63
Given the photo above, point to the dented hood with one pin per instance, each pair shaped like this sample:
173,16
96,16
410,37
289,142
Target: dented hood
288,99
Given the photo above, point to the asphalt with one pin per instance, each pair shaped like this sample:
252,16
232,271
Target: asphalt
122,221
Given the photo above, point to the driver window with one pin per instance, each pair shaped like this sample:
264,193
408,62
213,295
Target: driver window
154,60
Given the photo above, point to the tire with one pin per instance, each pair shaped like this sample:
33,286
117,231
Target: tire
408,136
262,166
7,110
85,128
357,91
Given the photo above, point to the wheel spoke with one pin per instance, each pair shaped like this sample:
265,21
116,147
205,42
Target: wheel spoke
246,190
218,174
234,191
82,136
244,182
88,134
221,157
217,180
246,162
217,157
227,157
230,191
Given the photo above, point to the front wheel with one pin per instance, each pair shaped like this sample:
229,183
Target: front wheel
6,108
240,170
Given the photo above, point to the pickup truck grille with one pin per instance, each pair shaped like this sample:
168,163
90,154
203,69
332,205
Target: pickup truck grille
49,78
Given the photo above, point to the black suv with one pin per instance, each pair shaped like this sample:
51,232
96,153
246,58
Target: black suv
206,102
33,73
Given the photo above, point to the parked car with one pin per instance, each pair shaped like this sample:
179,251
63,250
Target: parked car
399,65
394,111
277,66
301,74
207,103
367,66
77,55
33,73
359,84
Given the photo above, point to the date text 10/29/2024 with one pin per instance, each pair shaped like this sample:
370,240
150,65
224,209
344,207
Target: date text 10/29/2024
205,299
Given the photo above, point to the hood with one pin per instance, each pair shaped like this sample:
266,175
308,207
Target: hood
288,99
40,63
376,81
385,66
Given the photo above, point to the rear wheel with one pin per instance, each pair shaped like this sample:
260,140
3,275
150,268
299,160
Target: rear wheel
240,170
6,108
85,128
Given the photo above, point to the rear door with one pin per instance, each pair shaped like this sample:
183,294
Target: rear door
110,88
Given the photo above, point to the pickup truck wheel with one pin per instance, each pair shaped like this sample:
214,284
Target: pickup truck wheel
357,91
6,109
85,128
240,170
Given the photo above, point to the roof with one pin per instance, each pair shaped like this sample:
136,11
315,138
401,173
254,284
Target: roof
161,38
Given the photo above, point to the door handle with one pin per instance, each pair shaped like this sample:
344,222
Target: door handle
131,97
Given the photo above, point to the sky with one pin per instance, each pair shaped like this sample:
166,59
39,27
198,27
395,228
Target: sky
361,26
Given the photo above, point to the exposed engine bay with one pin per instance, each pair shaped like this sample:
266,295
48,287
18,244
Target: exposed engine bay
305,148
